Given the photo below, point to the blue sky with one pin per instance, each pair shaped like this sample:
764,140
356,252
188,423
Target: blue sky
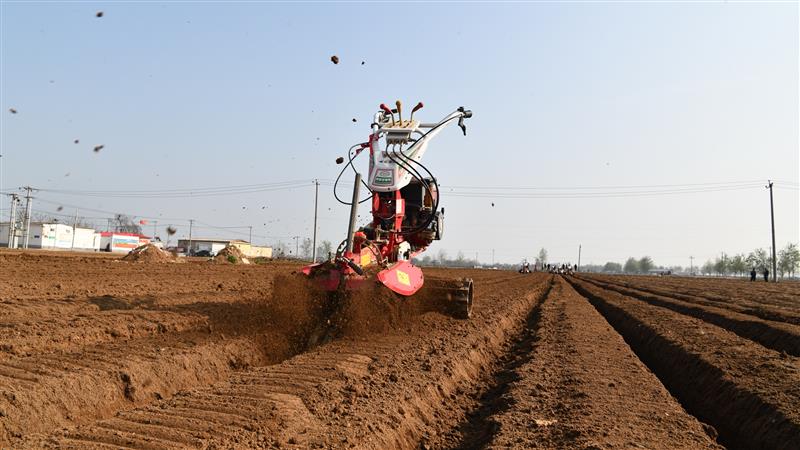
565,95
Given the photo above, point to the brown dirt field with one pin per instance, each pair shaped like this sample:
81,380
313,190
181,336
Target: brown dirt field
750,393
100,353
780,336
564,393
753,297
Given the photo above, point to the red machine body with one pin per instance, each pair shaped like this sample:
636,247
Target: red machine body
406,217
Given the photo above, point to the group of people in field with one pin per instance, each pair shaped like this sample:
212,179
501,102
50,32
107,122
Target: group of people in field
566,269
765,273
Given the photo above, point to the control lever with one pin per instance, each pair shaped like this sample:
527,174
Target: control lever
388,111
416,108
465,114
399,111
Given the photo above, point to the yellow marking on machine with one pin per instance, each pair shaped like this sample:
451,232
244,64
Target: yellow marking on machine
402,278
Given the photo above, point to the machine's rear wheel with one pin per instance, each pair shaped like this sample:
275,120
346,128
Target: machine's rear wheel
448,296
463,300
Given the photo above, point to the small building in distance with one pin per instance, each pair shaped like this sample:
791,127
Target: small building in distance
54,236
213,246
116,241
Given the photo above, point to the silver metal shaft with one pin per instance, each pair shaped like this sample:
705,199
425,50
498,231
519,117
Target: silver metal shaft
351,228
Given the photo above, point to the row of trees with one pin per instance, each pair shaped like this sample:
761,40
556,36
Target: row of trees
739,264
284,250
788,262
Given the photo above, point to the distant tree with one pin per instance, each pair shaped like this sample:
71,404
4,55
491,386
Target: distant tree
645,264
612,267
789,259
721,265
280,250
593,268
126,224
708,268
324,249
460,259
441,257
737,264
541,258
631,266
759,258
44,217
306,248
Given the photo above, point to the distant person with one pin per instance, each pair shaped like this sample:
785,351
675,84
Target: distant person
576,267
753,274
766,274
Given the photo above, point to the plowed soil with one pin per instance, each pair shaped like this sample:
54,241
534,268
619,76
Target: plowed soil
99,353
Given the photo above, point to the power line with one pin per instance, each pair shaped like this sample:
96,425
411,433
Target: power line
578,195
184,193
643,186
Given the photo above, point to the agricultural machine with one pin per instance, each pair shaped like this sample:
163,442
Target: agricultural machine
406,217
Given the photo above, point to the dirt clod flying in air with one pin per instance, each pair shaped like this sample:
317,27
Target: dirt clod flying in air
171,230
339,160
97,148
12,110
335,59
99,14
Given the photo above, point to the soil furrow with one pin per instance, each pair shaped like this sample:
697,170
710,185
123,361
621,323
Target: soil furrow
771,312
68,397
480,427
784,296
779,336
573,383
374,396
748,393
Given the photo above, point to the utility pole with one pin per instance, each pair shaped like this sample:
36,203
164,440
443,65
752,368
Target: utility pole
476,259
296,246
155,223
691,265
28,208
12,222
579,256
772,216
189,247
251,235
74,226
314,242
492,257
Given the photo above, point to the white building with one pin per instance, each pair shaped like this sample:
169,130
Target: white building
54,236
213,246
116,241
